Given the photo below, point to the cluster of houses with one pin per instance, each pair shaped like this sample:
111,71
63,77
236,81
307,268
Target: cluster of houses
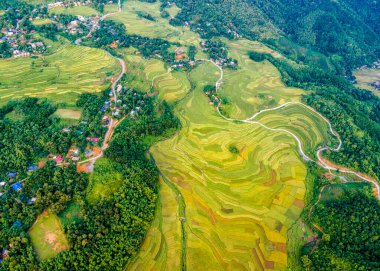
374,65
81,25
221,62
21,42
68,4
376,85
15,185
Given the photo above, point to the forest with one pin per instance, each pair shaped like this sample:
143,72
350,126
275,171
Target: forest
346,33
111,229
351,228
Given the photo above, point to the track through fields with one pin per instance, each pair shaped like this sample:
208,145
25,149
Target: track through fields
321,161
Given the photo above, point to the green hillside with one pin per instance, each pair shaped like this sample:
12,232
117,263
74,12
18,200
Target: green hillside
345,31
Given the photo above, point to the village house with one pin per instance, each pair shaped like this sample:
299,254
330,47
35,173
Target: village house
32,167
55,5
32,200
93,139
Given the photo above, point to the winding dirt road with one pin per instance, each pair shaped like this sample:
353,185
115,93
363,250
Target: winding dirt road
113,123
321,161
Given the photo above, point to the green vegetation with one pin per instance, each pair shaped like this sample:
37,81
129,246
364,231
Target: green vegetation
217,185
161,247
343,105
29,137
106,180
59,76
78,10
349,216
53,189
346,31
47,236
233,149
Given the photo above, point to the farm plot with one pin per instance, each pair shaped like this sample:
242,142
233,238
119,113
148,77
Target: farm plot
75,11
239,206
141,72
366,77
59,76
162,245
71,114
39,22
172,86
156,28
253,86
47,236
144,74
310,128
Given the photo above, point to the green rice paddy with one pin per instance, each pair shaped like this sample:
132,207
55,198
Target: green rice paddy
217,209
366,77
239,207
254,85
78,10
60,76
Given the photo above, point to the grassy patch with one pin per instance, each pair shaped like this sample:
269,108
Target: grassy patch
15,115
70,114
78,10
47,236
105,180
39,22
36,2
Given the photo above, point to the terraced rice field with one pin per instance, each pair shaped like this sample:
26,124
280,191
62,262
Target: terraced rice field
172,86
143,74
141,71
304,123
160,28
254,85
39,22
60,76
366,77
239,207
162,245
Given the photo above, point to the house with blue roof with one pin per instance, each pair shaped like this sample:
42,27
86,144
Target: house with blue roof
12,174
17,224
31,167
32,200
17,186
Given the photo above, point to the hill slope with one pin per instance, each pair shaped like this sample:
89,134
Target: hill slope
345,31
